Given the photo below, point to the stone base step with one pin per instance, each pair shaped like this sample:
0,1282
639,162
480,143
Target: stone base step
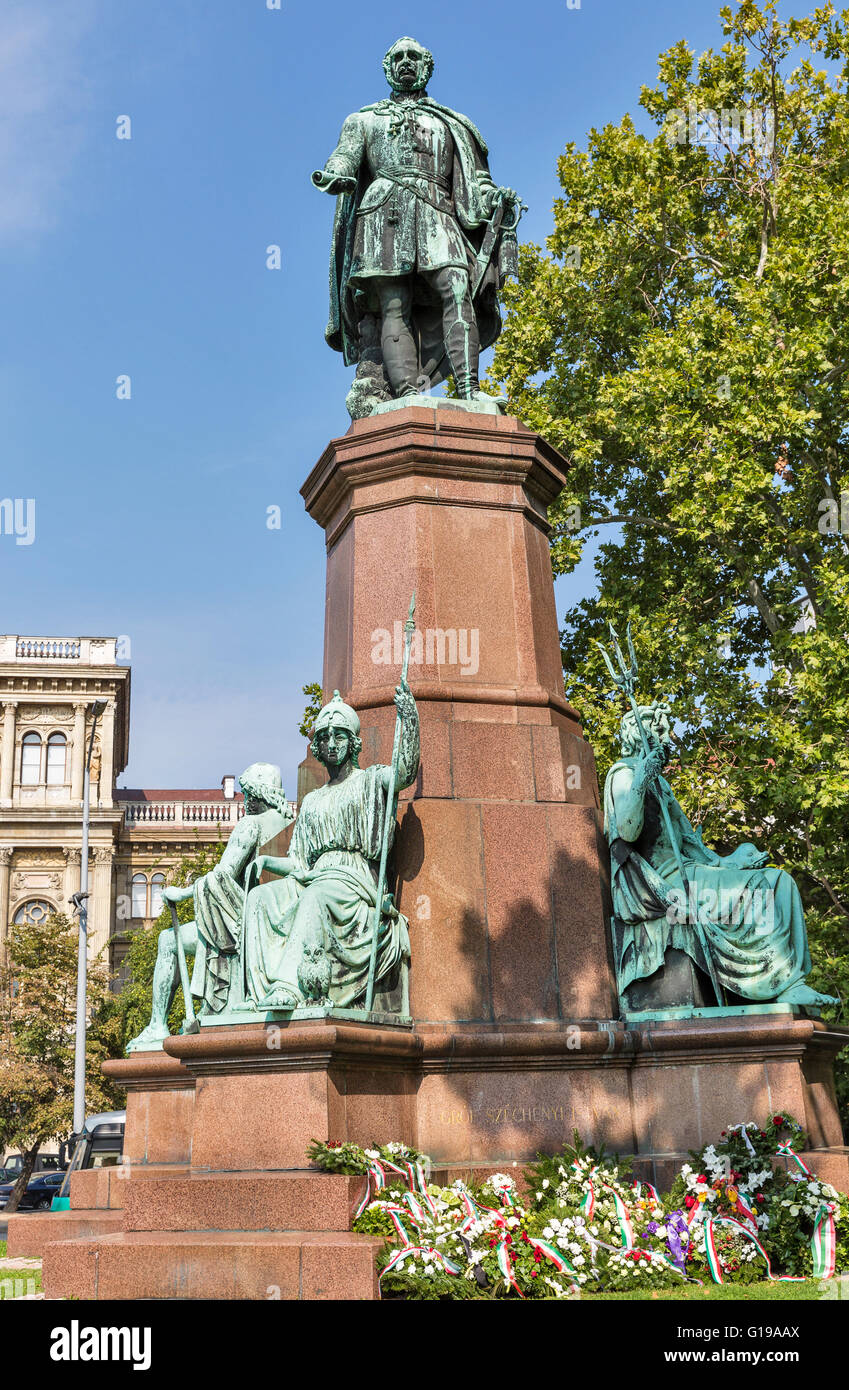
29,1234
214,1265
277,1201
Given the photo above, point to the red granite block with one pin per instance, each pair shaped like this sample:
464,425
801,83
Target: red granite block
305,1201
30,1232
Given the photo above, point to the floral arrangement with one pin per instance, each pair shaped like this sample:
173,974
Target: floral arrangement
733,1215
353,1160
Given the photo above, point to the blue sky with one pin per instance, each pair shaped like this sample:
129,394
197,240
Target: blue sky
147,257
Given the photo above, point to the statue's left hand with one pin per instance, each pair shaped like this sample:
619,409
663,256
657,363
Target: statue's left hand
404,702
508,196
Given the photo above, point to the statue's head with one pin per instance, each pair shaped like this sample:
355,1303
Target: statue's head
336,734
408,66
655,719
262,786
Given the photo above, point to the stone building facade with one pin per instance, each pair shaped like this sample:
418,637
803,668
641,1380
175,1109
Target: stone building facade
47,688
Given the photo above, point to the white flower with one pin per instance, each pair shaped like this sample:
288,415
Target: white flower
661,1231
579,1260
539,1199
545,1182
371,1153
548,1233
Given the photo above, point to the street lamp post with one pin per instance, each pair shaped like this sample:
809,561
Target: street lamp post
79,900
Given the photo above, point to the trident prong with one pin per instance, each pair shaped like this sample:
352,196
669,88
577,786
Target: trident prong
625,678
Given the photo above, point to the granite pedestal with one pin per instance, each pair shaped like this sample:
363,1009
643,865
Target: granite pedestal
501,867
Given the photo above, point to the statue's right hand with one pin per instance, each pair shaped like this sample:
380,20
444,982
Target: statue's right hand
333,183
173,894
652,764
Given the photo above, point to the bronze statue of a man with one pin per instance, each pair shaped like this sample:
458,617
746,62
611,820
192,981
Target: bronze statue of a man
422,239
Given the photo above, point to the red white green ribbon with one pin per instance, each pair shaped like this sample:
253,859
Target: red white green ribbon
786,1152
420,1216
375,1179
411,1251
505,1264
714,1264
747,1214
551,1253
652,1191
626,1230
824,1242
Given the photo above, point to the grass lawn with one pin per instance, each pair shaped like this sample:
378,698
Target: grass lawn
809,1289
2,1249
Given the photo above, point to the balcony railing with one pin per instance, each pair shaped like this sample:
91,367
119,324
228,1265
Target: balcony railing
182,813
88,651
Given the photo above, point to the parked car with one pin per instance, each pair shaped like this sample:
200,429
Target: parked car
39,1192
99,1146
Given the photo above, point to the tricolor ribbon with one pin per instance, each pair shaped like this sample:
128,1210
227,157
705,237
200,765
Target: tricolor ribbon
652,1191
714,1264
824,1242
408,1251
375,1178
626,1230
786,1152
505,1264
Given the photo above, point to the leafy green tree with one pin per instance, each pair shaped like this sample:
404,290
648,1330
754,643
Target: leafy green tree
683,340
38,984
315,701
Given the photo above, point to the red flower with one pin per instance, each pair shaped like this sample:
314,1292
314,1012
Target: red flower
701,1178
724,1132
763,1134
778,1120
689,1201
537,1256
534,1273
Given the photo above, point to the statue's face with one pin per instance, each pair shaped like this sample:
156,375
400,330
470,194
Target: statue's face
408,67
661,729
334,745
254,806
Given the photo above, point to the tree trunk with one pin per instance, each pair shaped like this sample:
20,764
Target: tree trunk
21,1185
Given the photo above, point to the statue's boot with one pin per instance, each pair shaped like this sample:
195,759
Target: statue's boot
463,346
400,358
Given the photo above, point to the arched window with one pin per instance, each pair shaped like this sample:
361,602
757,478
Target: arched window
30,760
139,895
157,883
33,913
57,747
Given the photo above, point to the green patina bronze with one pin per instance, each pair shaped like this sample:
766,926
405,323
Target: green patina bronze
299,946
308,936
422,242
737,919
214,935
